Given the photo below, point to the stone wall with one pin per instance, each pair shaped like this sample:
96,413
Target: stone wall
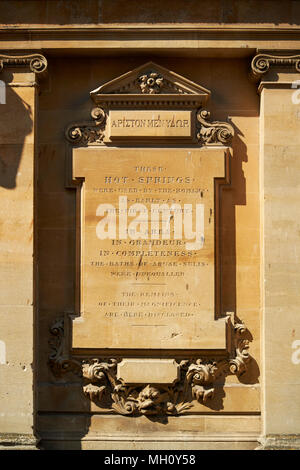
89,45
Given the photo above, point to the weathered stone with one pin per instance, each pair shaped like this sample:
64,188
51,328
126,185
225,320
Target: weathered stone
182,99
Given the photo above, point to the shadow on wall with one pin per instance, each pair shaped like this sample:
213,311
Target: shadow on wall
15,125
134,11
232,196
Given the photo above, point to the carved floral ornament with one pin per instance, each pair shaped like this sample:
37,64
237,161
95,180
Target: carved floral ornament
197,381
150,79
151,83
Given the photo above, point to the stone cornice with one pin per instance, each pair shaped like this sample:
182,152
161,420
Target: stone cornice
193,27
37,63
98,38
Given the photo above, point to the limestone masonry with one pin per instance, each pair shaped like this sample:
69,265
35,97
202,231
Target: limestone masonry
149,225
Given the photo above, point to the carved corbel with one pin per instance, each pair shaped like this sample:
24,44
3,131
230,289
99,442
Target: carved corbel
261,63
88,132
212,133
36,62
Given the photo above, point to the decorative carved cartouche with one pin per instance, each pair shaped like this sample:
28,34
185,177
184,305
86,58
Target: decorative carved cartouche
197,380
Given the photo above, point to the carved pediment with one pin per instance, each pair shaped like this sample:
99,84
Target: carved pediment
148,103
150,85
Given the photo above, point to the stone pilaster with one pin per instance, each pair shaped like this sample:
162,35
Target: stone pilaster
280,241
18,105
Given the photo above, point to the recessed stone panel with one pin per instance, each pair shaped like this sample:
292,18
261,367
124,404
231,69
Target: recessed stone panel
154,371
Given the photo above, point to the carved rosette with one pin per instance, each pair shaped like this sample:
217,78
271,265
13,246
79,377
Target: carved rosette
88,132
198,377
212,133
261,63
36,62
151,83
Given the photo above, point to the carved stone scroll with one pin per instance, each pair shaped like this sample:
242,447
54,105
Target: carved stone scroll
88,132
36,62
213,133
59,360
94,132
261,63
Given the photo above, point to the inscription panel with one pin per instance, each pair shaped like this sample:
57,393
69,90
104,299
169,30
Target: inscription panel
154,124
147,263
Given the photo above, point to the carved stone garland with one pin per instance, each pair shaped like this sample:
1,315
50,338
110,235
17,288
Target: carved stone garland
197,381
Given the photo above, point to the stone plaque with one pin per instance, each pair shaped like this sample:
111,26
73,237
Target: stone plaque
147,236
154,124
161,371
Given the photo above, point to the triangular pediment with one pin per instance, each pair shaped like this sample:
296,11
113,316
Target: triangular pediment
151,84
